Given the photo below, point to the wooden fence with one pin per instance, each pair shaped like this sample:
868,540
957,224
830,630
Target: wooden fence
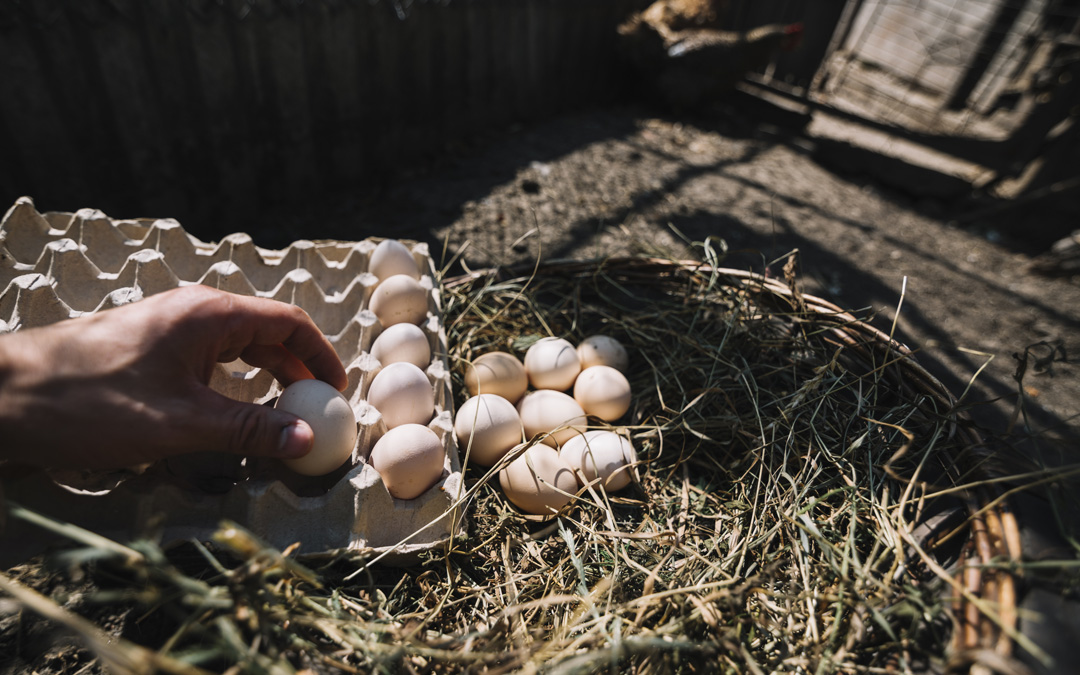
205,108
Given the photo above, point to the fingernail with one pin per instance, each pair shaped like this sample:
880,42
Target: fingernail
296,440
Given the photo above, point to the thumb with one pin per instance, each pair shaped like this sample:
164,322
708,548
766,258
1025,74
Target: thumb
253,430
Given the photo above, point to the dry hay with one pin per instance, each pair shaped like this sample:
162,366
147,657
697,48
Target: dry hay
808,502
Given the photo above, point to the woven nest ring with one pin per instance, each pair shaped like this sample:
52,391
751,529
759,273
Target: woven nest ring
961,538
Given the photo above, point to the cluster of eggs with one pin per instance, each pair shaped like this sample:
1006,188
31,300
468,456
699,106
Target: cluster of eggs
410,455
502,414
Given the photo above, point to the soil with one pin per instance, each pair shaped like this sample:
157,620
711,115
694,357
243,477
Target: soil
626,181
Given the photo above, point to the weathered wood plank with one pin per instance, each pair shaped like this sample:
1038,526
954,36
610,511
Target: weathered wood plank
214,109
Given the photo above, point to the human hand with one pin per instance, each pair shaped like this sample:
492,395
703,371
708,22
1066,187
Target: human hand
129,385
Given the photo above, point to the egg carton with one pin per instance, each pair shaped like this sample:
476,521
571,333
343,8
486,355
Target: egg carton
56,266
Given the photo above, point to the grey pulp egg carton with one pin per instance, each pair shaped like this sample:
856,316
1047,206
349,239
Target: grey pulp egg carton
56,266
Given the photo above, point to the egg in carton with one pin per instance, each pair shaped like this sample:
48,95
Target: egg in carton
56,266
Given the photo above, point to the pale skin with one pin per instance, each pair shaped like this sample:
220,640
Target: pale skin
129,386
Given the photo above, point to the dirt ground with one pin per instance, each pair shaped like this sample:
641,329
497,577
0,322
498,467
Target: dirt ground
625,181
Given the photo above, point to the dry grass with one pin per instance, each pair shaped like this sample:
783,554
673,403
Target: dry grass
807,503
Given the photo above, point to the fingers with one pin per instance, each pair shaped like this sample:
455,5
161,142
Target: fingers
249,429
278,361
273,323
266,333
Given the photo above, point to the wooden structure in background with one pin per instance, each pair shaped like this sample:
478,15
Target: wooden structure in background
208,109
984,80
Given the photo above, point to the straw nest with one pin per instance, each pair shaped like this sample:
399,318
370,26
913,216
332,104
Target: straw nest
810,501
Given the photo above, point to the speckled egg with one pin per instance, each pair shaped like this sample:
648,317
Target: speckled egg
601,350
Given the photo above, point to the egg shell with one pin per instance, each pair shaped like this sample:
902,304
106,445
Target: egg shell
601,454
602,350
603,391
392,257
553,413
403,394
491,425
497,373
552,363
539,481
402,343
330,417
399,299
410,460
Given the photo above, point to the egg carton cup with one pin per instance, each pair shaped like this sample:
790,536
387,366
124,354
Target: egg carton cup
56,266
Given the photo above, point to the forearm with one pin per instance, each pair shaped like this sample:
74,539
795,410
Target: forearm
85,392
35,389
12,354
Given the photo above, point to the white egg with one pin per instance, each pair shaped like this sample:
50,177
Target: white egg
497,373
553,413
392,257
410,460
399,299
330,417
601,454
539,481
402,343
487,427
601,350
603,391
403,394
552,363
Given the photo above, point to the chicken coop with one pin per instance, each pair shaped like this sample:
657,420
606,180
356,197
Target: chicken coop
169,106
993,83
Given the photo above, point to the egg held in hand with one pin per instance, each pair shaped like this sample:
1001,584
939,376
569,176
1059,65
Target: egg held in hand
487,427
409,459
601,454
539,481
603,391
331,419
